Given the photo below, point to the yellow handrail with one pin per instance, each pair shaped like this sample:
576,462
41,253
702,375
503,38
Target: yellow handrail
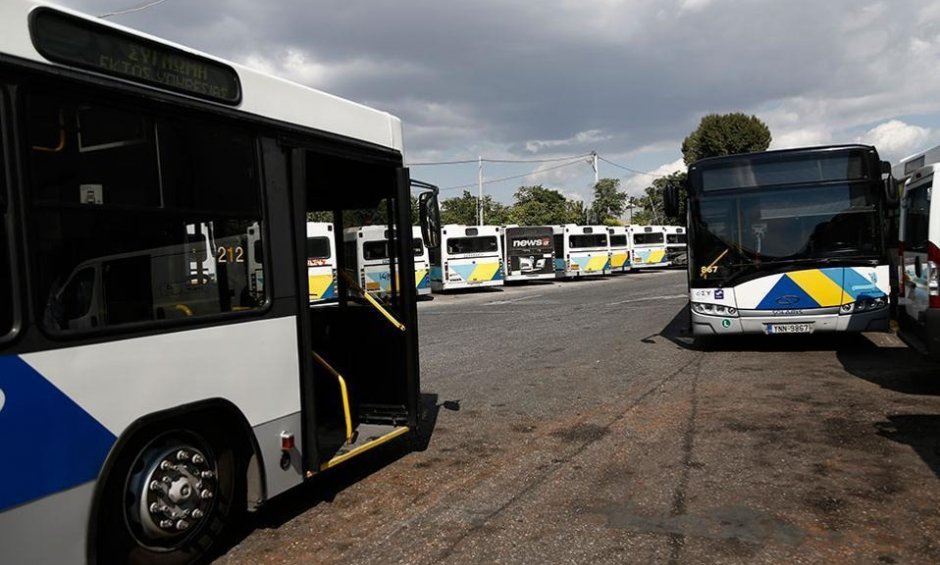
350,435
372,301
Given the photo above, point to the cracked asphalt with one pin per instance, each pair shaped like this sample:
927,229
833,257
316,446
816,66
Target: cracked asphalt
577,423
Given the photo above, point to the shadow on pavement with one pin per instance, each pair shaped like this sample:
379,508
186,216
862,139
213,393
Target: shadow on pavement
900,369
920,431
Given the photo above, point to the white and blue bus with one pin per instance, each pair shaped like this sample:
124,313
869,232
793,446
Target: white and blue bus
321,261
468,257
648,247
789,242
581,251
677,246
619,249
162,369
368,245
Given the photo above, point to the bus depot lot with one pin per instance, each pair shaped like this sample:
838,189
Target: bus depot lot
573,423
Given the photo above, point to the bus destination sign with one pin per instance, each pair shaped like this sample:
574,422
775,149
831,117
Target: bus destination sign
66,39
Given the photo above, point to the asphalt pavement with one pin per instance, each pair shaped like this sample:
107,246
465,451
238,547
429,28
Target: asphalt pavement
577,422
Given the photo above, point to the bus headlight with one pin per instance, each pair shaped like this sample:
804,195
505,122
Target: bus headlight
714,309
866,304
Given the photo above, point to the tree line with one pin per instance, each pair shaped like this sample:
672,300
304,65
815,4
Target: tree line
536,205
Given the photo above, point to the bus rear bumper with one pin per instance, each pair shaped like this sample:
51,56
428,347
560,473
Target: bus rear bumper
876,320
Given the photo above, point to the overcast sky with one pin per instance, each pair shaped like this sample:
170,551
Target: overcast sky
556,78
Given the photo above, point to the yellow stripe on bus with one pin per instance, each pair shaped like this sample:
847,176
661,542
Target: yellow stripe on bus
819,287
484,272
617,260
596,263
656,256
318,285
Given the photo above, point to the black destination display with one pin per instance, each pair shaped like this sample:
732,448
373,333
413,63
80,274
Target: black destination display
66,39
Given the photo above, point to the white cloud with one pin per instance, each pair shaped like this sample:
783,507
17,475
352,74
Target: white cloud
635,185
895,139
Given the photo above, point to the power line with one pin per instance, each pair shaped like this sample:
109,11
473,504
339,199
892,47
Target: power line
634,171
137,8
468,161
513,177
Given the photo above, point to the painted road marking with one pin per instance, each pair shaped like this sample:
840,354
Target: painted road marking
668,297
510,301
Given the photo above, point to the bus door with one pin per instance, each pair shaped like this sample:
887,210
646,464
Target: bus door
360,376
917,265
321,261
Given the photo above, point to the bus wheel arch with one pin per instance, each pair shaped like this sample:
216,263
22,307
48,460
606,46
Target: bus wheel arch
173,447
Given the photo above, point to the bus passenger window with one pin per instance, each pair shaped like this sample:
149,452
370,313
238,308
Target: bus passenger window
145,219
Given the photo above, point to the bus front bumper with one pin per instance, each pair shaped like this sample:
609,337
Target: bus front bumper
749,323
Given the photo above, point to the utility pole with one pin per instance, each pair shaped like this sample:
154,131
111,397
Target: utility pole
594,164
480,192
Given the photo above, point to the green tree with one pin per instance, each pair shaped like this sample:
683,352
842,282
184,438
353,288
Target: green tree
463,210
651,203
609,202
539,206
725,134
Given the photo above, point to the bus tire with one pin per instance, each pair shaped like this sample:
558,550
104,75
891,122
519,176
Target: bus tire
171,498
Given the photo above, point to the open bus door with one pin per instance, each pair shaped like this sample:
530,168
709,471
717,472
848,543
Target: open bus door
360,374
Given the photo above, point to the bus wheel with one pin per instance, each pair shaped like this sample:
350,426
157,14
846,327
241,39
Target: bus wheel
171,500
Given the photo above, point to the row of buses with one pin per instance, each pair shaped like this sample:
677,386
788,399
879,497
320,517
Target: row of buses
480,256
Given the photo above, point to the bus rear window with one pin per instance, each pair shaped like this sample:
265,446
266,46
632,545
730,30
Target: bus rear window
647,238
375,250
587,240
482,244
676,238
618,240
318,248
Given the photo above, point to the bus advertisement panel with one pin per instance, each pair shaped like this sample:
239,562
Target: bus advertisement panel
529,253
791,241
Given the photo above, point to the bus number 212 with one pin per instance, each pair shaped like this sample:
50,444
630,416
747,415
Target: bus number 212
230,254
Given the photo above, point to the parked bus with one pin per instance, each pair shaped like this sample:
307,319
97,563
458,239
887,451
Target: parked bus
788,242
321,261
619,249
368,247
469,256
581,251
919,250
648,247
529,253
677,248
161,367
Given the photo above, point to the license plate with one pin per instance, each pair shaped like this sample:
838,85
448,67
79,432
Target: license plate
789,328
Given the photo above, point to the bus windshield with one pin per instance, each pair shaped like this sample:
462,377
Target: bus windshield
786,224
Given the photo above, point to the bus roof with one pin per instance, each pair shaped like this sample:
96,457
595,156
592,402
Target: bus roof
768,155
261,94
907,166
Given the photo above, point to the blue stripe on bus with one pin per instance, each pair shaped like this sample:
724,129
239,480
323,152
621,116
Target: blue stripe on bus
49,442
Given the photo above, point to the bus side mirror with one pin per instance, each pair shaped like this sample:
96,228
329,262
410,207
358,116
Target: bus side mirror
430,215
891,185
671,200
